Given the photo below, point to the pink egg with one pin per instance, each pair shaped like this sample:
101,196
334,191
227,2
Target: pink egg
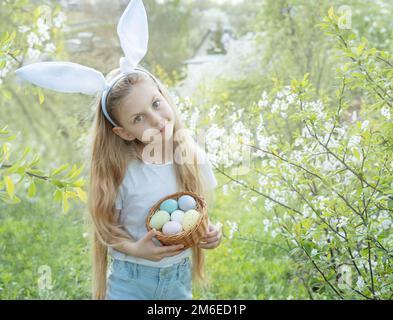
172,227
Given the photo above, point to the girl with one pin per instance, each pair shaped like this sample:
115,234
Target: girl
120,175
124,184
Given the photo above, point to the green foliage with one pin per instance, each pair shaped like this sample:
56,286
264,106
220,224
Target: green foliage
248,264
44,254
317,202
67,186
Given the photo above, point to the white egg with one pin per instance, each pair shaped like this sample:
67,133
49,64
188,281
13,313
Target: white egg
171,227
177,215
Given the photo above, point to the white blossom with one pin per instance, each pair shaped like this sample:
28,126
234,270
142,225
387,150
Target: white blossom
225,189
354,141
32,39
266,223
365,125
23,29
385,112
212,111
354,116
264,100
269,205
360,283
50,48
33,53
233,228
284,115
43,28
59,20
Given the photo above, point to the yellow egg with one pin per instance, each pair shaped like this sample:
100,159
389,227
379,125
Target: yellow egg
190,218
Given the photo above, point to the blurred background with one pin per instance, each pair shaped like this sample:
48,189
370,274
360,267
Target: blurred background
225,62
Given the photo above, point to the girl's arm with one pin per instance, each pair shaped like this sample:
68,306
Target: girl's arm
145,247
122,245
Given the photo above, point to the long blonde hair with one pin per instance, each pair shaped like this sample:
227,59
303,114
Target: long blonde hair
110,156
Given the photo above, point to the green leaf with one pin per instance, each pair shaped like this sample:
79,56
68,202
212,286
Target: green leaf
81,194
75,172
9,185
360,48
4,130
31,191
79,183
37,172
4,197
60,169
331,13
25,152
41,97
58,195
58,183
356,153
65,202
6,150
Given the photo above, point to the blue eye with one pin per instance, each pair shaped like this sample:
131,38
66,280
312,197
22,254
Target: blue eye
137,119
154,103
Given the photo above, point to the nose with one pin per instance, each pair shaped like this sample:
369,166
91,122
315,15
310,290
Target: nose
157,121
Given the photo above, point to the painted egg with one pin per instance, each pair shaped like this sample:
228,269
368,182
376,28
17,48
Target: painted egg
187,202
169,205
190,218
177,215
159,218
171,227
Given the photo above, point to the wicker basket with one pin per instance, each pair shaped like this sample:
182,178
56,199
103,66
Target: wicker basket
190,237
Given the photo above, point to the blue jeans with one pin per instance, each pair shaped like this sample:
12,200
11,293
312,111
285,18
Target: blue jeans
132,281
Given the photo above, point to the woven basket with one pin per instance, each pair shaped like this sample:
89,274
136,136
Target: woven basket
190,237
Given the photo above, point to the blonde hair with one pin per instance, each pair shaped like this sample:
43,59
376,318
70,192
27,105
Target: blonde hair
110,156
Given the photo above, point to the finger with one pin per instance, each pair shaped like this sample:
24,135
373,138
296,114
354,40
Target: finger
150,234
211,239
211,234
210,245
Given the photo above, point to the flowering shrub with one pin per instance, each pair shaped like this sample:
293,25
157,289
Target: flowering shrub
34,39
323,167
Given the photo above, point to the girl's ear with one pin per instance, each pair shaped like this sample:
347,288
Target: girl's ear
123,133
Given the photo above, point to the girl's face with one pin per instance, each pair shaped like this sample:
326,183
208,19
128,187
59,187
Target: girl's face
145,115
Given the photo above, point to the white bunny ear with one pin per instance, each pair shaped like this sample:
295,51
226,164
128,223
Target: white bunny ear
133,34
63,77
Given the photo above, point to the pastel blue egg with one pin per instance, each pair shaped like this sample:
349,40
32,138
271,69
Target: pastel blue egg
187,202
169,205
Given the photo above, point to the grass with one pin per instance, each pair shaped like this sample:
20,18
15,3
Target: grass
40,247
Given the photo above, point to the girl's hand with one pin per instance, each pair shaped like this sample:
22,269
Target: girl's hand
212,238
146,248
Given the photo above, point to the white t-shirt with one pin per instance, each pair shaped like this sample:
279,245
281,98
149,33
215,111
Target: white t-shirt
143,185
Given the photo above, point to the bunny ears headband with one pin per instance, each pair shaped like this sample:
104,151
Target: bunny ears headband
71,77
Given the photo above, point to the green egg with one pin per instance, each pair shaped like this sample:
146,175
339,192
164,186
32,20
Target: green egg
159,218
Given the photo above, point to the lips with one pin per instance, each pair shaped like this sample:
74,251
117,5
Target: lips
163,128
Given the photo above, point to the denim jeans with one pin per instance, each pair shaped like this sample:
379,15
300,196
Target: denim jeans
132,281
